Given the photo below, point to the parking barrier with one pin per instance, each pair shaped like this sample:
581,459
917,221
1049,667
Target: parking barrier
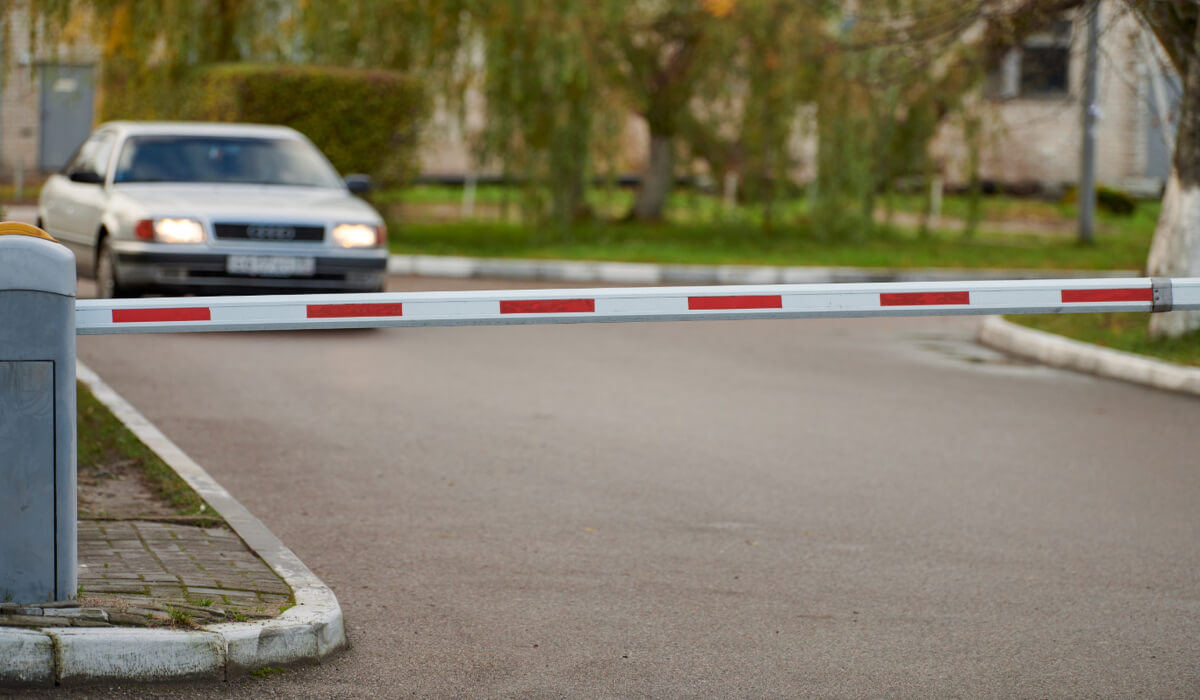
508,307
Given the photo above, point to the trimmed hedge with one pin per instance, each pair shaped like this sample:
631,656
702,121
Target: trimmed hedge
364,120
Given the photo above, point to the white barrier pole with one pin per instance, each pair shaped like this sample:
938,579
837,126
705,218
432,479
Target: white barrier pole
505,307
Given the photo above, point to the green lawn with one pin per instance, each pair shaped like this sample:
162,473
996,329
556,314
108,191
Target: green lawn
1016,233
741,243
687,205
1124,331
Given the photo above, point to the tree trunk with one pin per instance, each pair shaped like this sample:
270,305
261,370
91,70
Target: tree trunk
1176,248
1176,251
657,180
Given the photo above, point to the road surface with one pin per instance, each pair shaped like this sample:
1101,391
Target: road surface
833,508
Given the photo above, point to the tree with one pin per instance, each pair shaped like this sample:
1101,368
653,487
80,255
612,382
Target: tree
654,52
1175,251
542,98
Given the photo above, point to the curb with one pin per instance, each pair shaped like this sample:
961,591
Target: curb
1057,351
652,273
308,632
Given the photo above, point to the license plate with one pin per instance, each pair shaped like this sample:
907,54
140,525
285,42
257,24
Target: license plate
270,265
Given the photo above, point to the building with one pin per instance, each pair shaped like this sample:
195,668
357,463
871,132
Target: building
1032,108
47,102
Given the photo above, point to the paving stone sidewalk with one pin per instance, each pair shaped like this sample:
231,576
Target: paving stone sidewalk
161,599
154,574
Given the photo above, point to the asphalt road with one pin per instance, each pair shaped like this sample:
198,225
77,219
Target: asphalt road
857,508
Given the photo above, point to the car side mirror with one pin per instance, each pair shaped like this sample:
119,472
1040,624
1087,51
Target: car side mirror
358,184
86,176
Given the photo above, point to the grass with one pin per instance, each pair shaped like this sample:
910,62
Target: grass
699,230
181,618
102,439
689,205
1128,332
735,243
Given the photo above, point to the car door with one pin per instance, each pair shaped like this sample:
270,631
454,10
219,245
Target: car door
77,196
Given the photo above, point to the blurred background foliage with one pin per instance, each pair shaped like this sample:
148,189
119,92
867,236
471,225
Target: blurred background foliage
801,131
726,88
366,121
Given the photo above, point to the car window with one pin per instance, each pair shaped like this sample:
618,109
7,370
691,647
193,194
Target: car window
219,159
92,156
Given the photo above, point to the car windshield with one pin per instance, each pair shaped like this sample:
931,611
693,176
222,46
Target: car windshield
223,159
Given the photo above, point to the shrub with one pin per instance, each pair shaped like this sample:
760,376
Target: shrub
1107,199
1115,201
364,120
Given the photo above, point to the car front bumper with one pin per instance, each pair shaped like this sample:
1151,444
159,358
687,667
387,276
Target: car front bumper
207,273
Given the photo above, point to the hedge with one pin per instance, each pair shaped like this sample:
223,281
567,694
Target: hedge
364,120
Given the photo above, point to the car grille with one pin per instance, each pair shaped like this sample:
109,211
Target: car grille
281,233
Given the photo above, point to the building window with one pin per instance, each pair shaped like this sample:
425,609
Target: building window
1038,67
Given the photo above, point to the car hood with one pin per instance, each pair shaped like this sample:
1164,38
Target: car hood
249,203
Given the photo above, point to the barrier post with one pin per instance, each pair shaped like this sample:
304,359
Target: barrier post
38,510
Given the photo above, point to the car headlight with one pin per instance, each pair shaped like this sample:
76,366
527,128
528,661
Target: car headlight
358,235
170,230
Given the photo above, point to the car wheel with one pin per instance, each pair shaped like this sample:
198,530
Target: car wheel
107,286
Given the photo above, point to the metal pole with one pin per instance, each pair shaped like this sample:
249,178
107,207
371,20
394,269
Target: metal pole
1087,176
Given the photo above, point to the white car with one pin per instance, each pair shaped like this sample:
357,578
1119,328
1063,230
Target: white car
177,207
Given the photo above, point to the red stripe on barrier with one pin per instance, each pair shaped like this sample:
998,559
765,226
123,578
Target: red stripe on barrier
725,303
548,306
190,313
354,310
925,299
1084,296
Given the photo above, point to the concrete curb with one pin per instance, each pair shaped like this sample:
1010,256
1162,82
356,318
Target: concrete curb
1057,351
650,273
308,632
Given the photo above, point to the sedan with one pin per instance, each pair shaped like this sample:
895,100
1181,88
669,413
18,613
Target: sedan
177,207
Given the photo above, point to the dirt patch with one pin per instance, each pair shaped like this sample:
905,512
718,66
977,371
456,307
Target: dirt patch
1025,225
116,490
119,478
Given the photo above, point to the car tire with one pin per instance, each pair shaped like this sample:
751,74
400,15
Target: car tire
107,285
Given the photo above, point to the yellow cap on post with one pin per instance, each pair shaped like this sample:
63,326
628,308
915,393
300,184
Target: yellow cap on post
17,228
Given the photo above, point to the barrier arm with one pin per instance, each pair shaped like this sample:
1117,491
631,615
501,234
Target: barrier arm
509,307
